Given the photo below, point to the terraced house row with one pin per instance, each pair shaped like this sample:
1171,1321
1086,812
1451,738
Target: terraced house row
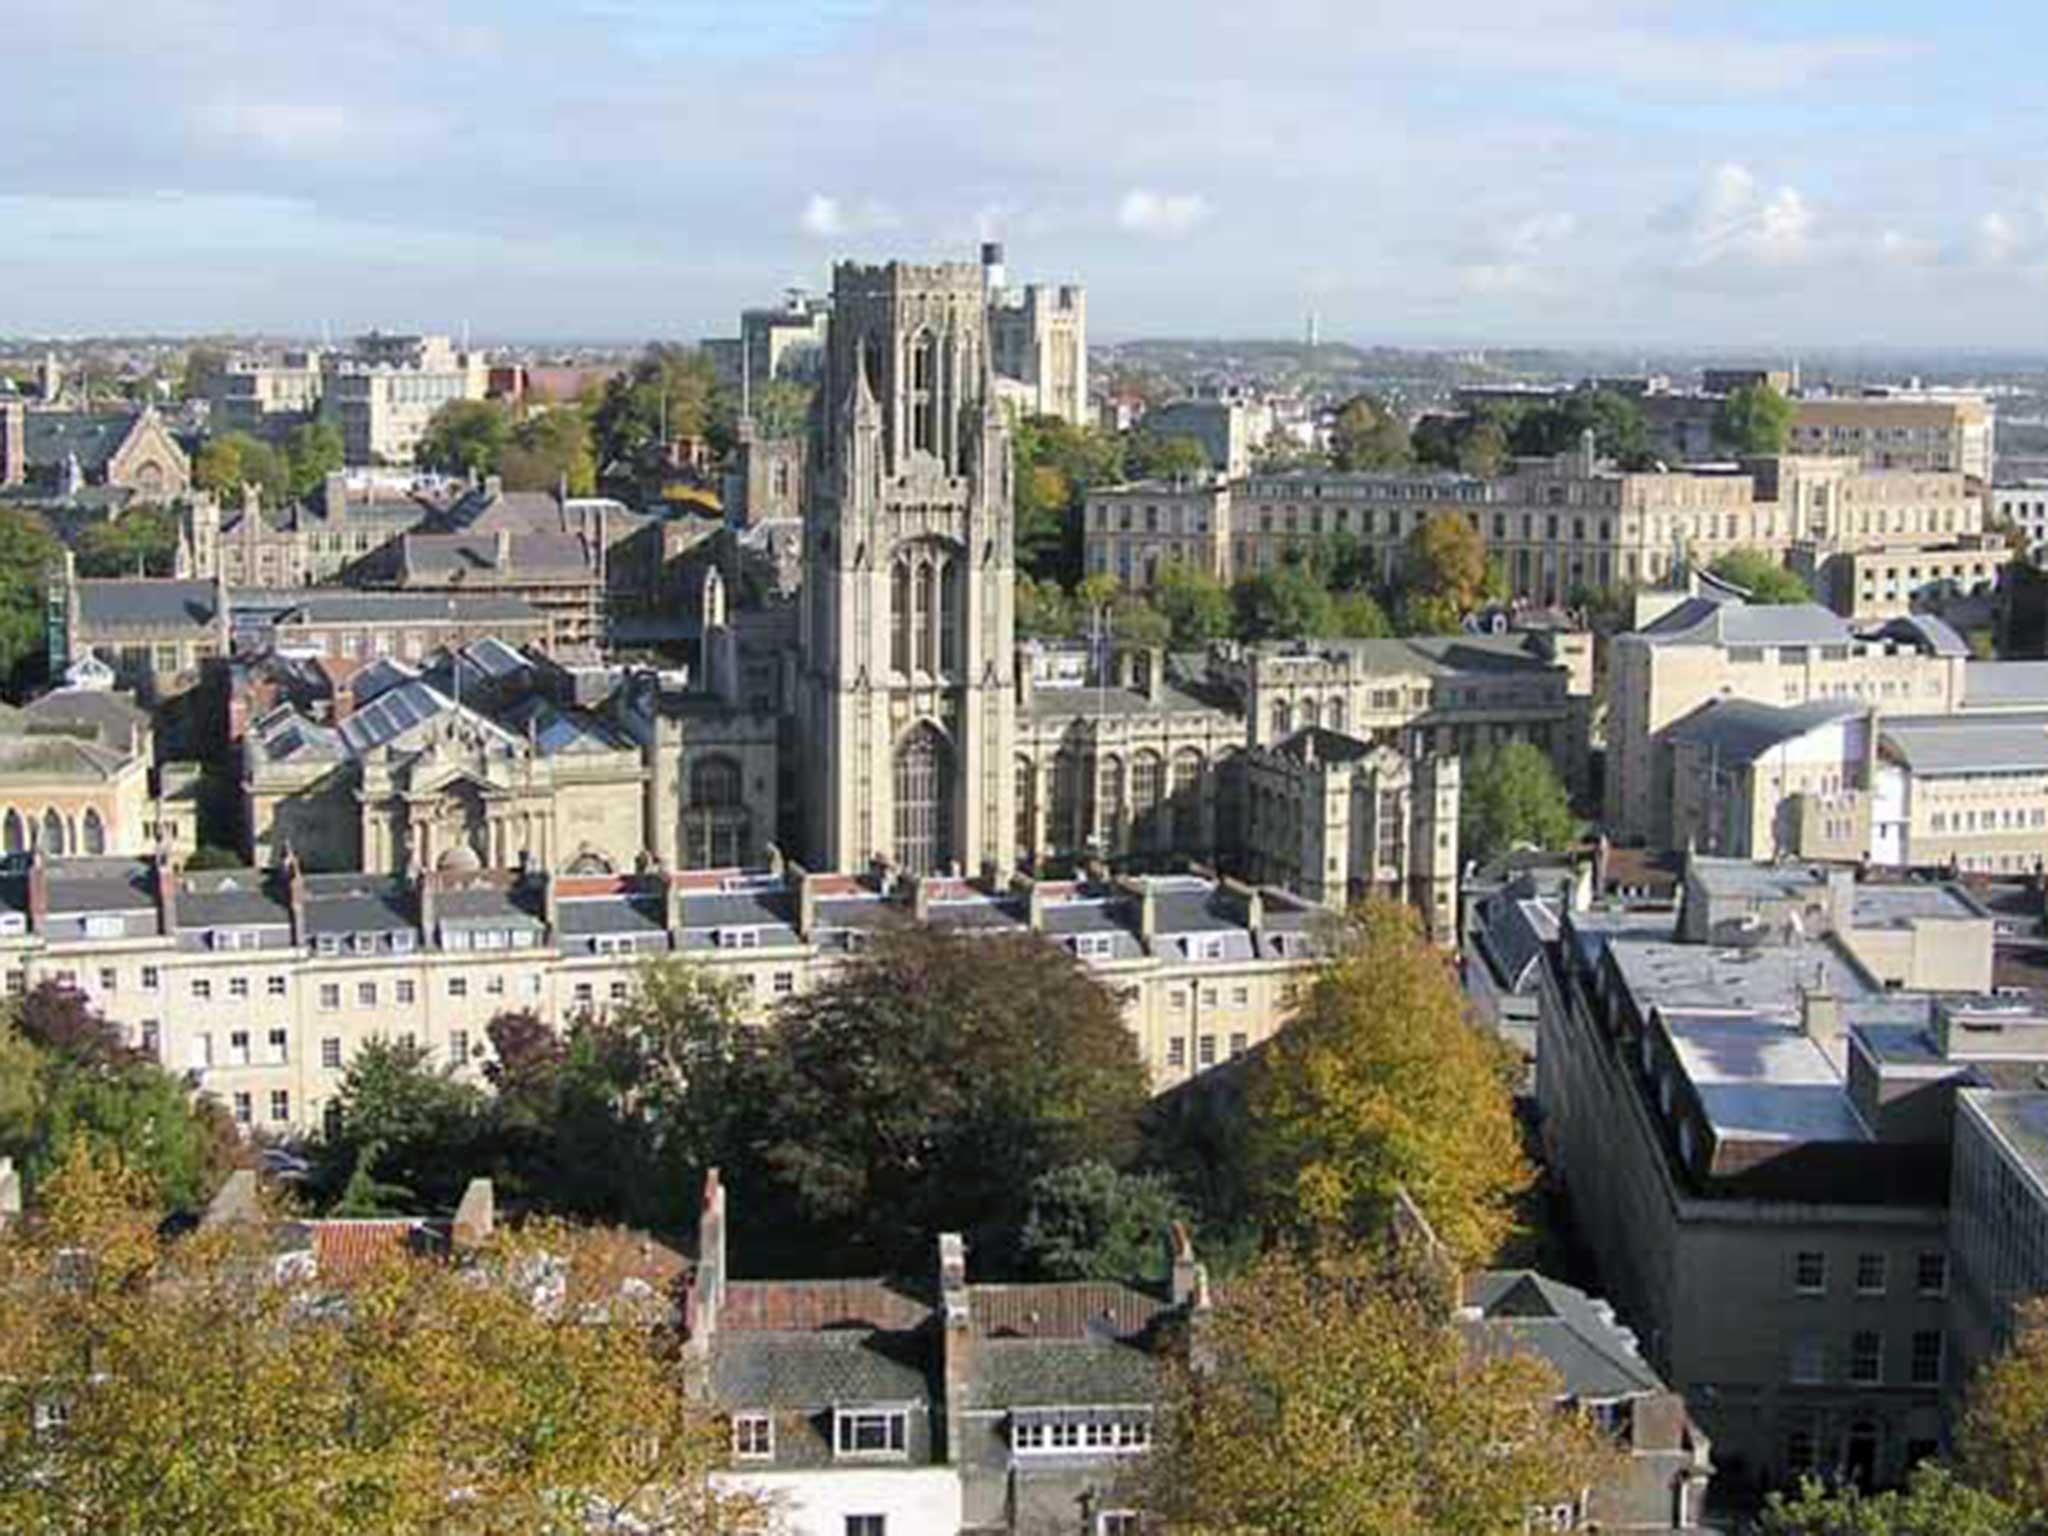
263,984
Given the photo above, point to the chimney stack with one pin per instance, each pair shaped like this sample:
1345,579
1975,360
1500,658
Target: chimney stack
956,1312
1180,1255
10,1193
475,1217
166,889
501,550
38,891
707,1289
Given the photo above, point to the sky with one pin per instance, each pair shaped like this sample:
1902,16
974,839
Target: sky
1498,172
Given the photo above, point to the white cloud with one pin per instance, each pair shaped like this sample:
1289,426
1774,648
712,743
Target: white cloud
1521,257
1998,239
827,218
1168,215
1737,221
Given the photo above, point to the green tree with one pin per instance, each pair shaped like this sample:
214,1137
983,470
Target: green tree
1755,419
1483,448
1380,1083
1044,610
1149,456
1368,434
142,540
782,408
1444,570
201,366
312,453
1358,616
465,437
1335,1397
1056,464
549,448
1933,1503
205,1388
1509,795
670,394
1283,602
2002,1441
228,463
1092,1221
1195,604
429,1127
1765,579
1615,421
926,1084
27,548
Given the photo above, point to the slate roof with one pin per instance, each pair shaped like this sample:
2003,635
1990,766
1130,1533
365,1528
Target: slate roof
1046,1373
1514,930
111,717
1742,730
1961,745
147,603
1708,621
447,557
1522,1311
1930,632
816,1370
49,437
362,607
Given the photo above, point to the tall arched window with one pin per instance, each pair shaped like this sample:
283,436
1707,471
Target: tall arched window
1187,799
949,617
1061,826
716,826
1147,782
1334,716
925,581
924,610
924,393
1027,808
899,615
924,801
53,833
16,833
1281,719
1109,819
92,833
1308,715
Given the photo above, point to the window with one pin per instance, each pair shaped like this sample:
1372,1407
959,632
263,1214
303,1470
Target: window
1177,1053
366,994
867,1525
149,978
1808,1360
617,991
1870,1274
275,986
330,996
1240,997
1926,1362
785,983
1117,1522
753,1436
330,1053
238,1047
1239,1043
109,978
1866,1356
279,1044
1206,1050
280,1105
243,1112
238,987
458,1046
1810,1273
873,1432
585,994
458,986
1930,1273
202,989
403,993
924,801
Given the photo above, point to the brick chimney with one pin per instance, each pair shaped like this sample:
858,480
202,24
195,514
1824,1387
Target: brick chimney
10,1193
672,902
166,890
295,894
1181,1265
707,1287
501,550
425,888
475,1217
956,1322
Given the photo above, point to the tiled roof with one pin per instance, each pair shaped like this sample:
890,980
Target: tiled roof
1068,1310
1524,1312
800,1305
1043,1373
147,603
818,1370
345,1249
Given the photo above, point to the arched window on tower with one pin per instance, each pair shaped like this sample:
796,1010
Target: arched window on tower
924,393
1027,808
924,578
716,826
1148,775
899,615
1187,799
950,577
924,801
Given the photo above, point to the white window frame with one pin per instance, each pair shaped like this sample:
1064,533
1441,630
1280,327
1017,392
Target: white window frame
745,1428
894,1421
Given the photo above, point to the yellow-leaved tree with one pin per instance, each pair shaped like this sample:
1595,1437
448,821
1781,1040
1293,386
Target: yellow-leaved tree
1380,1083
2002,1441
204,1383
1330,1394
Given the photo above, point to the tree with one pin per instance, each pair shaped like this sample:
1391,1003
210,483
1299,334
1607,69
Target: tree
1755,419
670,394
1380,1083
1616,422
1149,456
1056,464
782,408
926,1084
1933,1503
313,452
428,1127
235,460
1091,1221
204,1387
27,550
143,539
1044,610
548,448
1509,795
1283,602
1331,1395
465,437
1358,616
201,366
1369,435
1763,578
1446,564
2002,1441
1196,604
1483,448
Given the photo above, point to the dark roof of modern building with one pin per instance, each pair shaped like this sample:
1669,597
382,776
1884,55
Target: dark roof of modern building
1513,932
1932,633
1595,1358
101,885
147,603
2020,1120
339,607
1742,730
1959,746
238,898
1723,621
345,904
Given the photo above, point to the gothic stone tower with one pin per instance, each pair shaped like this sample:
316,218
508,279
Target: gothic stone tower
908,716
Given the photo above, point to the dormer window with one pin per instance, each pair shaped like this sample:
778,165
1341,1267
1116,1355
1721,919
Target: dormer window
1094,946
753,1436
401,941
363,943
328,944
1081,1431
882,1433
739,938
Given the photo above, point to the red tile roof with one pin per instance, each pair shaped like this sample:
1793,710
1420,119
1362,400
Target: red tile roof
344,1250
781,1306
1069,1310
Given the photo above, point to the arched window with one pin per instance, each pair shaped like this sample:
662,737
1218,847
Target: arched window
1109,805
1280,719
924,394
1187,799
716,827
949,617
1148,776
1309,720
899,616
53,833
1027,809
93,834
925,579
1062,825
924,801
1333,717
16,833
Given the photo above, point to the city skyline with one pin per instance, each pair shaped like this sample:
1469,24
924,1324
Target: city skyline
1576,172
